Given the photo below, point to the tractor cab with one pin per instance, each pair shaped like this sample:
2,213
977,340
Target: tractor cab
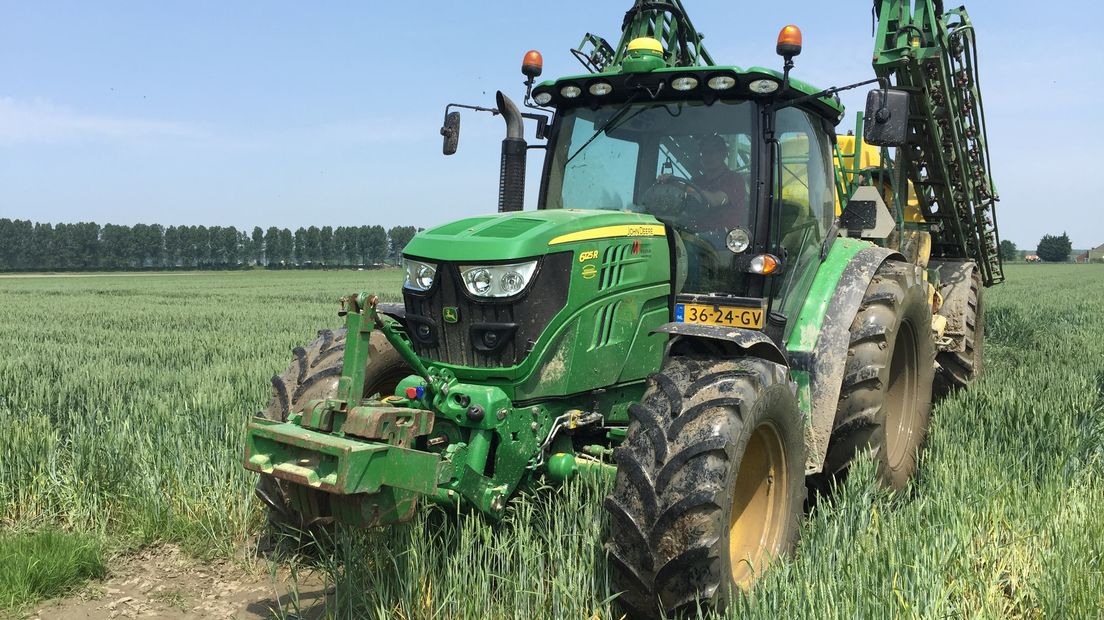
745,184
736,163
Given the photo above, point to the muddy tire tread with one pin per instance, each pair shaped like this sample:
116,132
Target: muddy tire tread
959,369
897,292
672,476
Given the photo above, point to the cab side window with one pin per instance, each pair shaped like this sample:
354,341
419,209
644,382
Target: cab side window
807,204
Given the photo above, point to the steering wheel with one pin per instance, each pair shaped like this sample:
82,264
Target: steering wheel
672,197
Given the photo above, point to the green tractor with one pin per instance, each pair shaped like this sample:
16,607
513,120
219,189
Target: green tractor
688,308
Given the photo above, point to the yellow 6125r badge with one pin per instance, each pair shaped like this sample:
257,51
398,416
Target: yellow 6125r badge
588,255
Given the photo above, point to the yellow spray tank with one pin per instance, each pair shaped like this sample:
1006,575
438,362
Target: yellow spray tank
870,159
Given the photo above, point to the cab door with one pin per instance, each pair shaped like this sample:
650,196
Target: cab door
807,207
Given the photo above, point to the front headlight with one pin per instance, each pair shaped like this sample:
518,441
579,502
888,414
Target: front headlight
419,275
498,280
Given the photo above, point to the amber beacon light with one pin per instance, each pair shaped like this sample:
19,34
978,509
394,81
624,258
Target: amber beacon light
789,42
532,64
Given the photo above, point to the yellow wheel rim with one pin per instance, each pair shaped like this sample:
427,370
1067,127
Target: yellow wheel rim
901,421
759,506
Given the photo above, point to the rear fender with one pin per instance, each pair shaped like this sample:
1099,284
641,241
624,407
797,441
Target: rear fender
823,360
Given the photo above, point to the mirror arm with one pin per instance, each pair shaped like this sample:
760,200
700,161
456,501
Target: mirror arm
823,93
542,120
542,123
493,111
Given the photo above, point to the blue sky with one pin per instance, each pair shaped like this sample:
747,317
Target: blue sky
296,113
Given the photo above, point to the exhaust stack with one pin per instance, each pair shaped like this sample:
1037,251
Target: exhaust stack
511,180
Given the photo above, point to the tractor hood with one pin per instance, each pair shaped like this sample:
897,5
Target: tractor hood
525,234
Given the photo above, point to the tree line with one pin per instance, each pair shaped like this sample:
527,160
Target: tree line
1051,248
87,246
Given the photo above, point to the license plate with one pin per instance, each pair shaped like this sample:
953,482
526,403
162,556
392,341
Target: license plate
728,316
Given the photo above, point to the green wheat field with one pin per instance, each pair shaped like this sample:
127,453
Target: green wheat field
123,401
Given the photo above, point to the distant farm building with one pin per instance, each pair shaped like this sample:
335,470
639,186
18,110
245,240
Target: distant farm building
1094,255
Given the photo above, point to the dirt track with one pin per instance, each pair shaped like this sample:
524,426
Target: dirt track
163,582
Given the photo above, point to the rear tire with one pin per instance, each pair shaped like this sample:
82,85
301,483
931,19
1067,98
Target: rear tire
885,400
313,374
958,369
710,484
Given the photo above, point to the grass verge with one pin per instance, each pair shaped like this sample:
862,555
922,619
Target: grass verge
45,564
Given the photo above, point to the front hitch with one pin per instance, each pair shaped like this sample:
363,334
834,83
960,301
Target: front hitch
356,460
348,457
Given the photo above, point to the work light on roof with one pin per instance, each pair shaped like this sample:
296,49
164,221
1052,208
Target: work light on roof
599,89
686,82
570,91
721,82
763,86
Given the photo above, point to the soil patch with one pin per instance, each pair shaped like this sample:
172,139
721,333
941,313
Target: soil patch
163,582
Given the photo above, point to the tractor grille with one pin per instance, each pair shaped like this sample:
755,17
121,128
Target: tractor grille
604,322
613,265
487,333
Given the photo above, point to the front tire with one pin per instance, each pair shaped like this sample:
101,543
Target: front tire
885,399
710,484
313,374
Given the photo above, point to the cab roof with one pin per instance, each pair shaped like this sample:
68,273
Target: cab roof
657,85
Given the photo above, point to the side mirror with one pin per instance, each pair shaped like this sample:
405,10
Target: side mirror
886,122
451,132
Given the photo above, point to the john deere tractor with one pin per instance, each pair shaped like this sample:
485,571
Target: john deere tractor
714,298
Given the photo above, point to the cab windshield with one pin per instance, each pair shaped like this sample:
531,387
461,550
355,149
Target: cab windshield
687,163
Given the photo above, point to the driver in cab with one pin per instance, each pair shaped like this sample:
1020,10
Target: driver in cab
721,188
